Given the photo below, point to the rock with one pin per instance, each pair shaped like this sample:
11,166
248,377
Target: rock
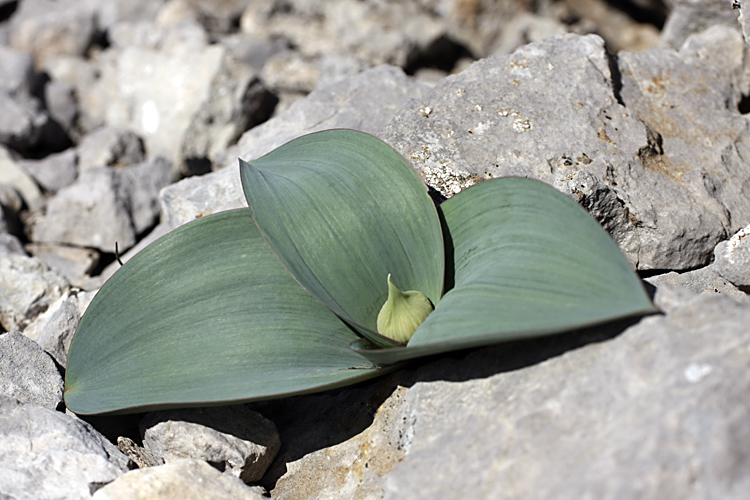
105,206
55,171
48,29
11,205
220,17
53,329
74,263
237,441
610,412
364,102
16,70
62,106
113,11
142,183
187,104
347,26
291,72
110,147
689,17
10,244
733,258
252,50
92,212
139,455
184,479
27,289
664,194
49,455
27,373
21,122
81,75
703,280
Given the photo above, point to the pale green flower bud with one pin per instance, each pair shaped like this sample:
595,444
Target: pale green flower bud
402,313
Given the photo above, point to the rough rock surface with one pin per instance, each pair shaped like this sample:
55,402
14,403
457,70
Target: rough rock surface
733,258
183,479
364,102
613,419
27,373
27,288
626,152
234,439
105,102
46,454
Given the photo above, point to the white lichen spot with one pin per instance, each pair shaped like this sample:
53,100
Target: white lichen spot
478,107
523,63
550,67
514,82
479,128
448,133
695,372
425,111
460,92
736,242
422,154
521,125
149,117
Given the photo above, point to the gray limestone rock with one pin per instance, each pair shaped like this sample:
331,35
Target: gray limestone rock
10,244
16,70
364,102
234,439
48,455
75,263
703,280
21,121
651,410
688,17
184,479
530,114
62,105
186,104
12,174
27,289
92,212
733,258
27,373
53,329
55,171
105,205
142,184
48,29
110,147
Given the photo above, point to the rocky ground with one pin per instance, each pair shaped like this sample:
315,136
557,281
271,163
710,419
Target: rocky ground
118,118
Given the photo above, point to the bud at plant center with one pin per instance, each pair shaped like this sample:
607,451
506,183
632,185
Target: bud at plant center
402,313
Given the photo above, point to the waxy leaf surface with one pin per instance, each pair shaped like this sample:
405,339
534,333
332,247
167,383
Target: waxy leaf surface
206,315
342,210
527,261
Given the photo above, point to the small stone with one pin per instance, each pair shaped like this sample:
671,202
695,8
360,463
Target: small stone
55,171
110,147
234,439
27,288
48,455
27,373
732,258
184,479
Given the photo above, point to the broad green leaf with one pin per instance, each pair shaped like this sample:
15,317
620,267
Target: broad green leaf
528,261
342,211
206,315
